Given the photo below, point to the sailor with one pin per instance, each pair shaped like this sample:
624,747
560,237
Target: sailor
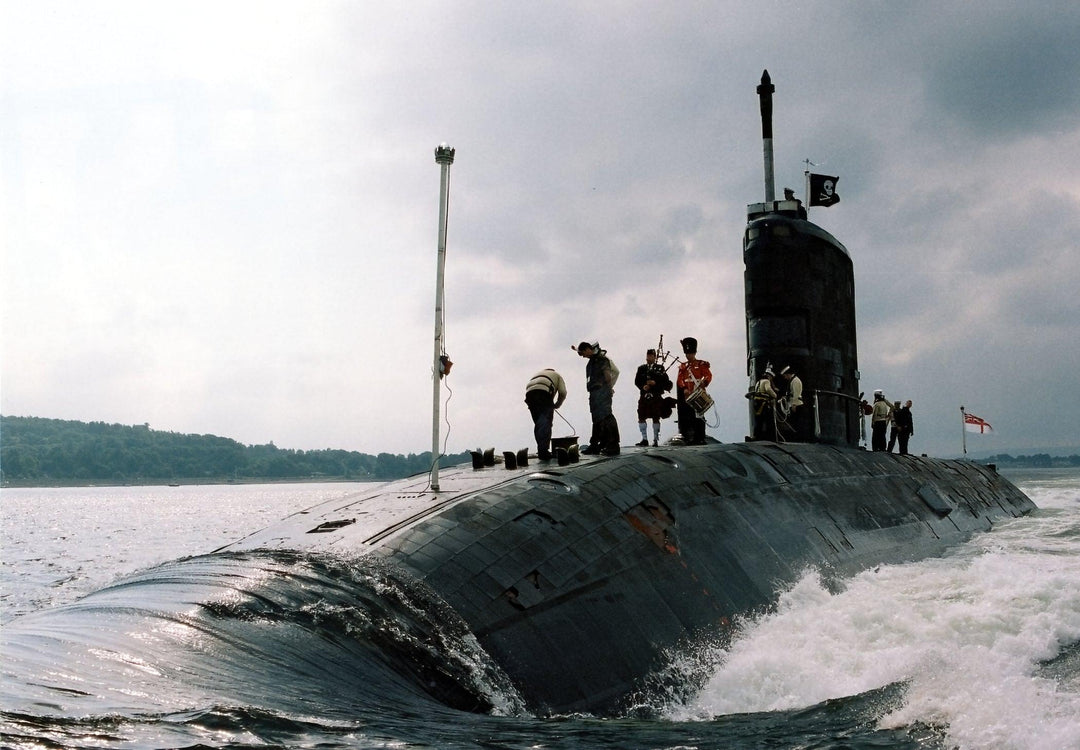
893,427
652,382
694,374
791,400
600,376
544,393
789,195
879,420
763,400
905,426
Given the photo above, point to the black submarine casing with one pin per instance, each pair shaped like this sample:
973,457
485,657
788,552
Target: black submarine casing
581,581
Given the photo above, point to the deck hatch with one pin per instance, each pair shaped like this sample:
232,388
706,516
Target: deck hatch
553,484
935,500
326,526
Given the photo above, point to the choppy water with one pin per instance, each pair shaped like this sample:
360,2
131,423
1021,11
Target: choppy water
980,649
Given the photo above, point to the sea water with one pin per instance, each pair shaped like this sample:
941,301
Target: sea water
978,649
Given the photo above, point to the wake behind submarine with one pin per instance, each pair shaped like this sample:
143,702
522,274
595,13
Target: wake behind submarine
581,579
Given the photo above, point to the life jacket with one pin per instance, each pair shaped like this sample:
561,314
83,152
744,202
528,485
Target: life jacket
760,398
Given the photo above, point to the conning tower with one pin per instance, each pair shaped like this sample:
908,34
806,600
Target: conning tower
800,307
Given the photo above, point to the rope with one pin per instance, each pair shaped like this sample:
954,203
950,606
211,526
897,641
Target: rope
572,428
446,439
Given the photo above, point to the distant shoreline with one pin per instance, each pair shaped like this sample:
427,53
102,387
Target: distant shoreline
61,483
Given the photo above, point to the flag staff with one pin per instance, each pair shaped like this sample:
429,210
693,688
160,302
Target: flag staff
444,157
963,428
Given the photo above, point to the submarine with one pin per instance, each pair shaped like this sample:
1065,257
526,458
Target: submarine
582,578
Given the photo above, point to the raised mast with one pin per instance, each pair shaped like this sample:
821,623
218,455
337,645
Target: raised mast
765,92
444,157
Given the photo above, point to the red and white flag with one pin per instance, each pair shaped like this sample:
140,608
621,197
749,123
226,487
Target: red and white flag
976,424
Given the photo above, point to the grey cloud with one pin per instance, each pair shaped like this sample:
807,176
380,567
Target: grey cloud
1010,72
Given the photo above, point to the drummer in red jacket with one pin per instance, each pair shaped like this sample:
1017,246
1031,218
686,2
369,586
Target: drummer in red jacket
694,373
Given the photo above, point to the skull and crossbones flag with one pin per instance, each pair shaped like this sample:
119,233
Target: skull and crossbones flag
823,190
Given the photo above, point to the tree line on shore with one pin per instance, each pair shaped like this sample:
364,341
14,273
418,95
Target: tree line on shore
34,450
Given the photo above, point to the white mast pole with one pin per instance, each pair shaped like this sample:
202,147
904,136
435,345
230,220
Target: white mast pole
444,156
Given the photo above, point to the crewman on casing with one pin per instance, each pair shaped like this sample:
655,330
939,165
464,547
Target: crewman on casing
905,425
893,428
879,420
763,400
600,376
544,393
694,373
791,403
652,382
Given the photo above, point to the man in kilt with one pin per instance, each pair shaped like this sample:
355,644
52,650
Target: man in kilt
652,382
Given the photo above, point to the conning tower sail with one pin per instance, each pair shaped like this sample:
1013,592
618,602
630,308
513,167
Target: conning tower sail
800,308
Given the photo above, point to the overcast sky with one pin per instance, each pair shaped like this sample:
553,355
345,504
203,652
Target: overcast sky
221,217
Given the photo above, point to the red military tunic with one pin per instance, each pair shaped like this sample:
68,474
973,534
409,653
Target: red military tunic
692,374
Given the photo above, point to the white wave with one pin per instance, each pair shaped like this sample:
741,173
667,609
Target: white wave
965,634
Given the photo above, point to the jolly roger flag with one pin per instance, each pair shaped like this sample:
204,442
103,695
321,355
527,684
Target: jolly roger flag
823,190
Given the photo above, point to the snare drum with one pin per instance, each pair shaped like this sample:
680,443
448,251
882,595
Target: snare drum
699,401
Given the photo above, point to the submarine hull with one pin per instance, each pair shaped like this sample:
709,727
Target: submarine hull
581,581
